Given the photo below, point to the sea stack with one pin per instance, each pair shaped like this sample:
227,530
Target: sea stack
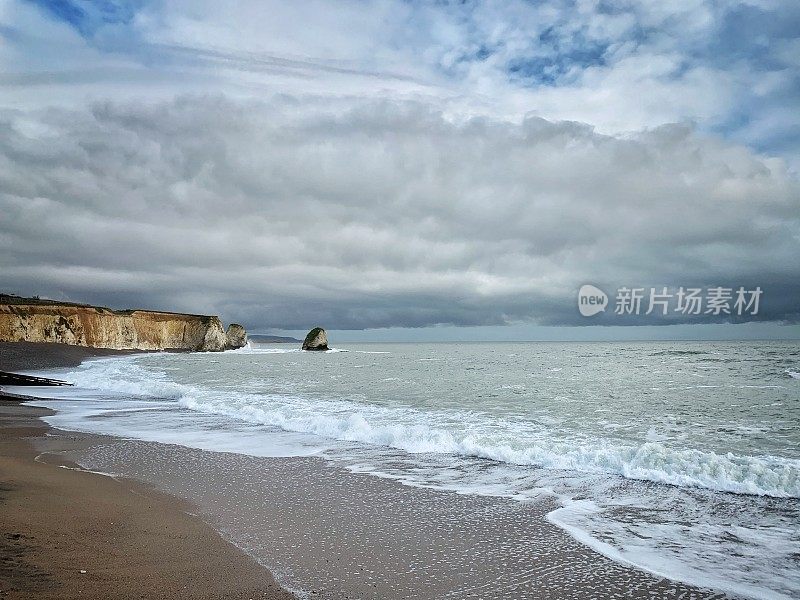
316,339
236,336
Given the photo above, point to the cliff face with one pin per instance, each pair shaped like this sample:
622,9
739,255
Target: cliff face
236,336
96,327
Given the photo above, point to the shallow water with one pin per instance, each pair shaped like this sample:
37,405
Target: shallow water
680,458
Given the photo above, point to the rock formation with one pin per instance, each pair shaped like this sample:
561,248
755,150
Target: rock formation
236,336
316,339
34,320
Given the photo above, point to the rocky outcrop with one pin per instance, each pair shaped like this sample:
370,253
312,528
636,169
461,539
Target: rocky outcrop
33,320
316,339
236,336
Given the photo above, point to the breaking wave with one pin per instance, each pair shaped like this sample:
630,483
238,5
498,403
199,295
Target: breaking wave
429,432
460,433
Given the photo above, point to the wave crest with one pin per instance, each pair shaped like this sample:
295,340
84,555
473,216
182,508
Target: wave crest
416,432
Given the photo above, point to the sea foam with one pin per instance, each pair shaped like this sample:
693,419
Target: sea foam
464,433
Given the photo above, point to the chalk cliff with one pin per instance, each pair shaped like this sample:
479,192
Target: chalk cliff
236,336
34,320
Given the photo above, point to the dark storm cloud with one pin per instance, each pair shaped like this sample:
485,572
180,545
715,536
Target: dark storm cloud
378,213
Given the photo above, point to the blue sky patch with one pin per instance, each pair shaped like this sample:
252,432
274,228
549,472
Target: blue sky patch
88,17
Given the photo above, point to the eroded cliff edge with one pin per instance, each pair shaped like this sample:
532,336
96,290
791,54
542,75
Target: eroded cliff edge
34,320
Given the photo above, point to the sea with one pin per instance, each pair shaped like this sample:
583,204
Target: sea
679,458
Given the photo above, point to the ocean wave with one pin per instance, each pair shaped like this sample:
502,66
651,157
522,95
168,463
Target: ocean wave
457,432
431,432
124,376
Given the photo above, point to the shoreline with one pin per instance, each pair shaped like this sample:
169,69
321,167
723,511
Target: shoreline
67,532
32,356
72,533
339,534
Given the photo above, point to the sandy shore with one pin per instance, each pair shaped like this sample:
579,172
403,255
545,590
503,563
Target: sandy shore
67,533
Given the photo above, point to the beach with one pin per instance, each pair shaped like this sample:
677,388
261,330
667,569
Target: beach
400,300
182,521
69,533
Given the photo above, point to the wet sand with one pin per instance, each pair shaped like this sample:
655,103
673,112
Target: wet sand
337,534
131,541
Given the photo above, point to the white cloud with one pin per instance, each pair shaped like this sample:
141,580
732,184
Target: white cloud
619,66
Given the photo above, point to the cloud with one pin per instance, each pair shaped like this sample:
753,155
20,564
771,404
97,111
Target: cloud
728,66
290,211
397,163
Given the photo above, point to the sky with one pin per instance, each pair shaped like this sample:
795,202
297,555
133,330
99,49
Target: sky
406,170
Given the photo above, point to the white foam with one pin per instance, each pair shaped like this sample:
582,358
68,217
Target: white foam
469,435
459,433
126,419
688,563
